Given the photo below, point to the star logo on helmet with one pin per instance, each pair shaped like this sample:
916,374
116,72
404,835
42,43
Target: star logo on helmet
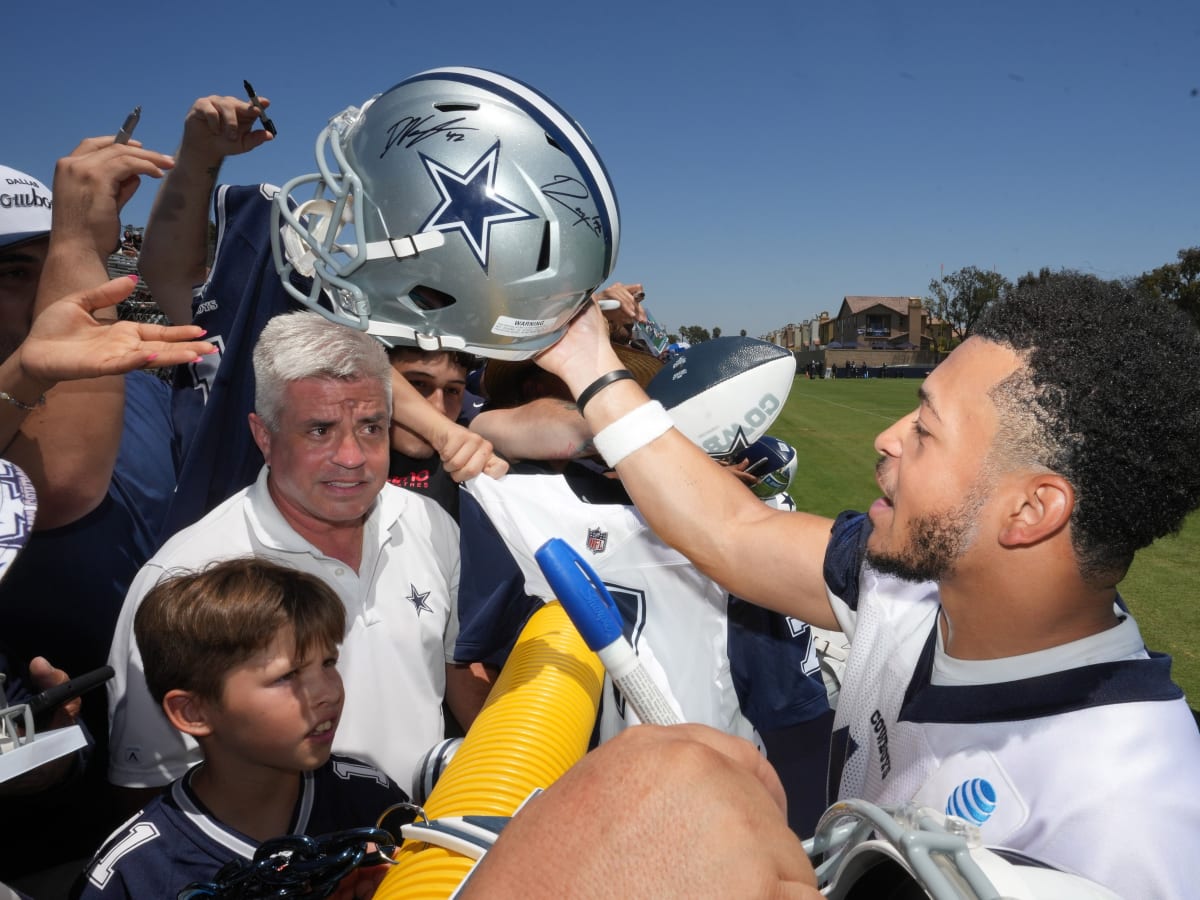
470,203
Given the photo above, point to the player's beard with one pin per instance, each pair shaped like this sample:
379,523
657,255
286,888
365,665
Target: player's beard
935,542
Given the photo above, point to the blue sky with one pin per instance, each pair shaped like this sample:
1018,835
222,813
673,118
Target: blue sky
769,157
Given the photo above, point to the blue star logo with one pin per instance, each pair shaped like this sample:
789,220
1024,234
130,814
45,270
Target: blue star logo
470,203
417,599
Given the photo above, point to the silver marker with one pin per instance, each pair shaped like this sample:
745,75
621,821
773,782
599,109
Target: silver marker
128,125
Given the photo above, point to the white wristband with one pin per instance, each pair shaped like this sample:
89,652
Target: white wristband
632,431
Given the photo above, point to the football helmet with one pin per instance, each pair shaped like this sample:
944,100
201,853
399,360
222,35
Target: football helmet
861,851
773,462
461,210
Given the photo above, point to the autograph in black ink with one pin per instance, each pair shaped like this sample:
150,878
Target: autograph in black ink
410,130
562,190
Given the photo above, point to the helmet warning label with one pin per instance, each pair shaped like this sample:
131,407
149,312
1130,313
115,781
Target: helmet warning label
510,327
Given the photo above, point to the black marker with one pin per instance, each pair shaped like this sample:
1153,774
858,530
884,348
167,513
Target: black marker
267,123
128,125
69,690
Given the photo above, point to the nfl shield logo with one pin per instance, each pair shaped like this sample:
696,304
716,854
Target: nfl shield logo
597,540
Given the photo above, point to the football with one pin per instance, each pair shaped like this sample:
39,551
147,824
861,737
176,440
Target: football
725,393
773,461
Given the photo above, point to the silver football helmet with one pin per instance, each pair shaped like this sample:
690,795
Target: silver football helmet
861,851
461,209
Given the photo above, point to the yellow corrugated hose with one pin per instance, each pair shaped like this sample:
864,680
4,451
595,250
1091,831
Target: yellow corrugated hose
535,725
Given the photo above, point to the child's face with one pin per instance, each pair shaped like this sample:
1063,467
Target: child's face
278,710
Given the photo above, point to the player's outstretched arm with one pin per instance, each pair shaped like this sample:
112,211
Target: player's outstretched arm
768,557
684,811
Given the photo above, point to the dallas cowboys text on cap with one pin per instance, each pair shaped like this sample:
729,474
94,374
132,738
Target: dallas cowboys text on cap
25,205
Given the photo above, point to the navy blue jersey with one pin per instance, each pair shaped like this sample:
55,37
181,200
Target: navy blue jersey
175,841
215,453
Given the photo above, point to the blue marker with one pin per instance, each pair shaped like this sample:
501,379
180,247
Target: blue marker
594,612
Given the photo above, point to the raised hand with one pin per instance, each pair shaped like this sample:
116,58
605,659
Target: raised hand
67,341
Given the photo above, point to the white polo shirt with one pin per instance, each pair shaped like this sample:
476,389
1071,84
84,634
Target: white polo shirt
401,611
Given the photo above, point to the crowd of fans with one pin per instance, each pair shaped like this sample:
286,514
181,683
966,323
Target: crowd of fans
274,554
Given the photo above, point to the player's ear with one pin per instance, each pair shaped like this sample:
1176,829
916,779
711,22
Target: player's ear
1041,508
187,712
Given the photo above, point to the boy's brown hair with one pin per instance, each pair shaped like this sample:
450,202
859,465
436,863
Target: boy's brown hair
193,627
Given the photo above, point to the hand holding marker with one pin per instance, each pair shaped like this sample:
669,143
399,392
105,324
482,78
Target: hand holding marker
592,609
262,113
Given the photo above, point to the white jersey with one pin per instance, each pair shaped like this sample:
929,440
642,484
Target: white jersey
1085,756
676,618
401,624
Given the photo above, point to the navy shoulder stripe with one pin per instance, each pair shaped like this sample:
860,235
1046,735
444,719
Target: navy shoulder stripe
844,555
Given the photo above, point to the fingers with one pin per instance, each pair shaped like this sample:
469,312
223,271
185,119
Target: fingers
44,675
108,294
220,114
225,125
89,145
161,356
584,352
495,467
116,161
466,454
93,184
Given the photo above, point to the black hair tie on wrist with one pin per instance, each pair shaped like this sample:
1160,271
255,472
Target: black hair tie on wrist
600,384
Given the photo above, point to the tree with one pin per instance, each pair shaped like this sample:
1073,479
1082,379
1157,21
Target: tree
716,333
1029,279
961,297
743,332
693,334
1178,282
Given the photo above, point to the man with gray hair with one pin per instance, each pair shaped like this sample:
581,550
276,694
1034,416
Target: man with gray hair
321,504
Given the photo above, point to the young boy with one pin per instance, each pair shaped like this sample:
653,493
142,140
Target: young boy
242,657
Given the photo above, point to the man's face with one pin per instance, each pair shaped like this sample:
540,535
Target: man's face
20,271
438,378
931,467
329,457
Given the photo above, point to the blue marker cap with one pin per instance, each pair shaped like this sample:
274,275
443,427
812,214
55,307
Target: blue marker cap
581,592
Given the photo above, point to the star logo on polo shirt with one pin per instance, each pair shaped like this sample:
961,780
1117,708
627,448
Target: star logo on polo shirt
417,599
470,203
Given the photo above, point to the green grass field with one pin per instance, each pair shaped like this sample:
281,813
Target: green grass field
832,425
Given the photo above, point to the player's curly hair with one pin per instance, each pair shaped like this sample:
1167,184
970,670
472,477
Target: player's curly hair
1109,398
